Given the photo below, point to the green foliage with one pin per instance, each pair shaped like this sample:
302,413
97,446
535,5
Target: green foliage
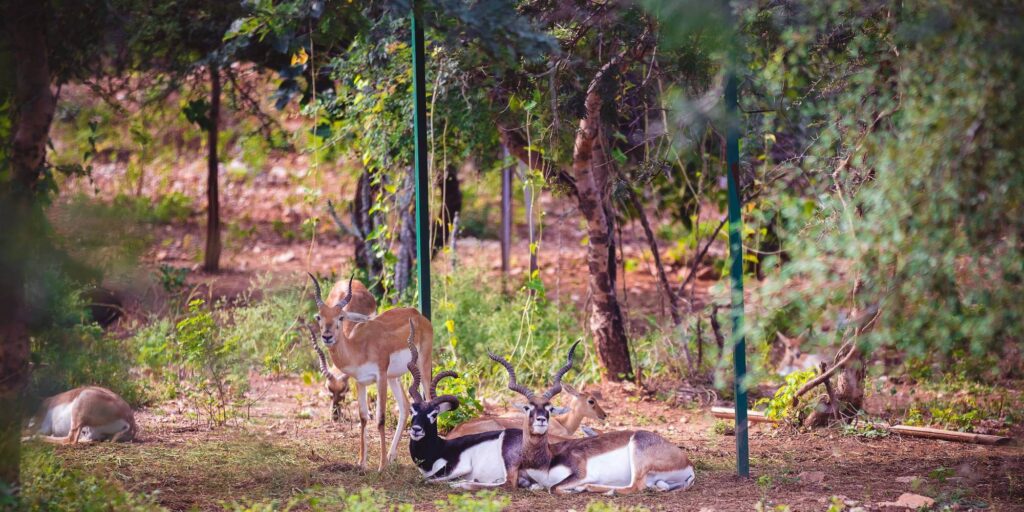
47,485
73,351
780,405
482,501
267,335
172,279
174,207
599,505
465,390
319,499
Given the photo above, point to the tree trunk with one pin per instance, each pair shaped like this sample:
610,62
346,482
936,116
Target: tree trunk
590,167
364,222
451,195
406,236
34,103
212,258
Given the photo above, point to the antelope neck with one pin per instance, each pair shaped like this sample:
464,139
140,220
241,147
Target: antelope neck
570,420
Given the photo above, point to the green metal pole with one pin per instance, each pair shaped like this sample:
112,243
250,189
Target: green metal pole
732,153
419,92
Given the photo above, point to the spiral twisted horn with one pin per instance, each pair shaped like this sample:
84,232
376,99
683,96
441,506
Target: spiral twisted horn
437,378
316,291
348,296
319,353
512,384
414,389
443,398
556,386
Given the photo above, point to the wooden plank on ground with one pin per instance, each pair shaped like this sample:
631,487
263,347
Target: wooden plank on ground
948,435
730,413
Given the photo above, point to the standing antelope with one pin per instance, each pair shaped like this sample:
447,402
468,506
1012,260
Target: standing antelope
362,302
373,351
481,460
563,426
86,414
624,461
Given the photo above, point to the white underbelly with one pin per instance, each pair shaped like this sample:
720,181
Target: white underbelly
364,374
680,479
484,462
549,477
399,362
613,468
57,421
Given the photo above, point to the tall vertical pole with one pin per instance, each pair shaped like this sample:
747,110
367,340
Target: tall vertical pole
419,92
732,154
506,216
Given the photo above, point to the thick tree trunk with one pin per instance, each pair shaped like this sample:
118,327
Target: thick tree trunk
34,103
212,257
590,167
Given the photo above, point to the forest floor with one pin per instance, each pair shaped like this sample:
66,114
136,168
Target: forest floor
288,443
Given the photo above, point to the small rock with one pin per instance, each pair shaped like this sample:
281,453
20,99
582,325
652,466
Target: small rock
856,509
811,477
684,419
282,432
907,501
284,257
161,255
906,479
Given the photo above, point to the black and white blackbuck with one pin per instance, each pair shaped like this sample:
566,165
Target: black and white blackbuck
616,462
475,461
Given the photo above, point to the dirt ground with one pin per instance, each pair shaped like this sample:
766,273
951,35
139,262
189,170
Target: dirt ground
288,443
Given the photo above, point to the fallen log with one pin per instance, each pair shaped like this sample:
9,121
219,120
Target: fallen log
905,430
730,413
948,435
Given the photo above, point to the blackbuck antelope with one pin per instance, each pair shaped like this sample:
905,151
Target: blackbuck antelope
362,302
85,414
624,461
563,426
794,359
374,351
472,462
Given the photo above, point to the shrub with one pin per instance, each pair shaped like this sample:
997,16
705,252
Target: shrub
48,485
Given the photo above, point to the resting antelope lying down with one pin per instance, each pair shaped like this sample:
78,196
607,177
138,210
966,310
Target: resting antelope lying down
563,426
374,351
624,462
473,461
85,414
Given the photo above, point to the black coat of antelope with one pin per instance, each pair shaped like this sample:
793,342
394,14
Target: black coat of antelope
373,351
475,461
616,462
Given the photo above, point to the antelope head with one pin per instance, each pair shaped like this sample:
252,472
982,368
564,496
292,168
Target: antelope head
538,408
425,412
585,403
330,316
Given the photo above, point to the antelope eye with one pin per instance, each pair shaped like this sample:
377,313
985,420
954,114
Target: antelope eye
316,317
591,401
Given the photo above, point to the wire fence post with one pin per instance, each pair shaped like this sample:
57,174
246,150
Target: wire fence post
732,152
419,92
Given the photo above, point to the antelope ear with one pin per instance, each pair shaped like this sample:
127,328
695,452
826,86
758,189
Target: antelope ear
355,317
559,410
445,407
571,390
596,394
524,407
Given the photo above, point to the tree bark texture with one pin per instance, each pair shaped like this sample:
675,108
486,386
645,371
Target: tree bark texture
213,246
406,236
451,204
591,167
34,102
364,223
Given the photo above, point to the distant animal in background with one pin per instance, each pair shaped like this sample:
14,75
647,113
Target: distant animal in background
793,358
362,302
104,305
85,414
563,426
